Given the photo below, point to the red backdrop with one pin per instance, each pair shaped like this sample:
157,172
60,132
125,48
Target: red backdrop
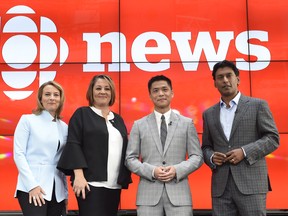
132,41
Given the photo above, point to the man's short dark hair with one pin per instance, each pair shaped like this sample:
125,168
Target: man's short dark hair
225,63
159,78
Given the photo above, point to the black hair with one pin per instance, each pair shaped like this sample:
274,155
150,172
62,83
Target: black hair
222,64
159,78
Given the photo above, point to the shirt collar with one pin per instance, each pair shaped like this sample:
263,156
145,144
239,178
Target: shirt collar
234,101
47,115
99,112
167,114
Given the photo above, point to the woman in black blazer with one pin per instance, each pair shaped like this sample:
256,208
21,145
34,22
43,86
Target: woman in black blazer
95,152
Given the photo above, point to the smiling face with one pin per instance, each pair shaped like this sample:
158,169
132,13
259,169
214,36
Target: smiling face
101,93
51,99
227,83
161,95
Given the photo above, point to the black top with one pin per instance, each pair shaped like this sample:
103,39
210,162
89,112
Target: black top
87,147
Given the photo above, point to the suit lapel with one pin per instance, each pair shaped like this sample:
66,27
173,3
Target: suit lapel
240,112
152,124
171,130
216,119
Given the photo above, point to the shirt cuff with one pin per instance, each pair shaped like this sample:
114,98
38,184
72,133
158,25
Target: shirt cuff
211,161
243,152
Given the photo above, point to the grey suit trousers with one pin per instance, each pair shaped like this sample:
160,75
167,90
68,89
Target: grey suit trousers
235,203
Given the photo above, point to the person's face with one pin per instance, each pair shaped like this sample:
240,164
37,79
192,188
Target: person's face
226,82
50,99
101,93
161,95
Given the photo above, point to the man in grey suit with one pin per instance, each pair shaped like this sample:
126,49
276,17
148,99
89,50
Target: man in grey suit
239,132
163,167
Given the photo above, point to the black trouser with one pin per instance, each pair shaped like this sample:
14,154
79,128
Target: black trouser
50,208
99,201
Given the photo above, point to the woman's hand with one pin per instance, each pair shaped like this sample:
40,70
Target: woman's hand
36,196
80,184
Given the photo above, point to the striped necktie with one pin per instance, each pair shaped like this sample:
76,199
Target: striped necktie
163,131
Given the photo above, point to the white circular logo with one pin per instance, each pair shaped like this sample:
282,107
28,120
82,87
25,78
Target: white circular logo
20,50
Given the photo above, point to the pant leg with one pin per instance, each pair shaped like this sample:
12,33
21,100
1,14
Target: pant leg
234,203
150,210
99,201
53,207
164,207
225,205
155,210
29,209
172,210
249,205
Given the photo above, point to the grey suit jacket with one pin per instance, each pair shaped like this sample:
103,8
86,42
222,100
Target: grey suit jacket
144,153
253,130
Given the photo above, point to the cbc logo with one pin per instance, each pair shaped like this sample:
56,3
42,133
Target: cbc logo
20,50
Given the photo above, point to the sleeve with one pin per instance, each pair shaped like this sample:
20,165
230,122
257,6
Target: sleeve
133,163
72,156
195,156
124,178
21,137
207,144
268,135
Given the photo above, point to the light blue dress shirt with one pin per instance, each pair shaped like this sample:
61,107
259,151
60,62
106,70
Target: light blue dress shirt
227,114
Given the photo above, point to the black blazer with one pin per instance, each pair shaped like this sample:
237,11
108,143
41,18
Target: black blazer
87,147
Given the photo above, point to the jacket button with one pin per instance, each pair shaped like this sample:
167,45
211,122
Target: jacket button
164,162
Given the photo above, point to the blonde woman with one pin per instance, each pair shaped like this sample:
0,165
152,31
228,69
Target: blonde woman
39,139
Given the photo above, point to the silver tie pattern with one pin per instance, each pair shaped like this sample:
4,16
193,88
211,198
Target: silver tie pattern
163,131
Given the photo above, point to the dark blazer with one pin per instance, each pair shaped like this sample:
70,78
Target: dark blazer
255,131
87,147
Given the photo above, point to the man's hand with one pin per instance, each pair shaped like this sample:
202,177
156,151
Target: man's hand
235,156
219,158
165,174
